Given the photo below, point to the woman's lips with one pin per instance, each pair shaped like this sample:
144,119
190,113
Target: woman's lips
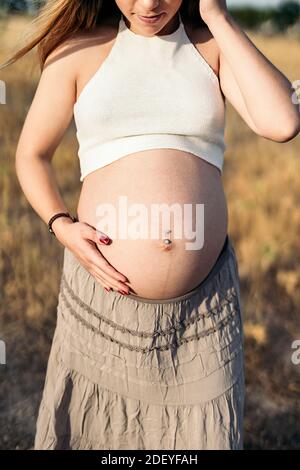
150,20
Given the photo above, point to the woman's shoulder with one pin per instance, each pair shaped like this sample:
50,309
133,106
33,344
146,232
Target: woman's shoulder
78,56
77,42
81,46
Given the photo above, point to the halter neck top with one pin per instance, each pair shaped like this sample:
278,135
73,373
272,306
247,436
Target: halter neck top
150,92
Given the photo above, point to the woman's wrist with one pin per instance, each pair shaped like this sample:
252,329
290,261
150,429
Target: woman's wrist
59,224
220,18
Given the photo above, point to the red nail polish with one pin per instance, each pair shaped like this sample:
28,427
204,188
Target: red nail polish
105,240
123,292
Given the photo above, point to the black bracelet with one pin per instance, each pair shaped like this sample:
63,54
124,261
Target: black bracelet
60,214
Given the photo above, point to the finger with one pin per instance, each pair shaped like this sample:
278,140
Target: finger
100,280
108,283
90,234
102,237
108,267
97,236
111,281
95,257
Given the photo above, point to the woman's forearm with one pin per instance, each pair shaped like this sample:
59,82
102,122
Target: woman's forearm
267,93
37,180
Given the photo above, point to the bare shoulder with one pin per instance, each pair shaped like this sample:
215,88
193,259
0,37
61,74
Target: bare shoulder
204,41
81,41
80,48
86,51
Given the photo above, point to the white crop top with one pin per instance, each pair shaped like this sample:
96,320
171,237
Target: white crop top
150,92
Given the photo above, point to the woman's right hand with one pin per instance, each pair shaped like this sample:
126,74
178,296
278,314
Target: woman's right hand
81,238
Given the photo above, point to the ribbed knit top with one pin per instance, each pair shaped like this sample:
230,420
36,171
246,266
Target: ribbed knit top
150,92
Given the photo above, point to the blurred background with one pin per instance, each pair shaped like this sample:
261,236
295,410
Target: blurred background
262,184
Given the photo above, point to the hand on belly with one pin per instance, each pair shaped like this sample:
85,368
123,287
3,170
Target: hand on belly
156,272
161,177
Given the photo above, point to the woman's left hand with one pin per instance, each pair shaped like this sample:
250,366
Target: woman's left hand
211,8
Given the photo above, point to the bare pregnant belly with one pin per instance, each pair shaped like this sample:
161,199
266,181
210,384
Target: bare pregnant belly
135,199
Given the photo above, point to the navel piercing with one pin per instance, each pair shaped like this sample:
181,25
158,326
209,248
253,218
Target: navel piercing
166,241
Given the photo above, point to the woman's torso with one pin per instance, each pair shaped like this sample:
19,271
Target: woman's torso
151,178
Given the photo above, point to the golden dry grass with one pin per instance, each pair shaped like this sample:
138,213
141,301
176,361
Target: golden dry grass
261,181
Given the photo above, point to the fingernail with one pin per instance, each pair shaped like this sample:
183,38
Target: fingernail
123,292
106,289
105,240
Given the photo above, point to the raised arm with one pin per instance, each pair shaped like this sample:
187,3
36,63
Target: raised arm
252,84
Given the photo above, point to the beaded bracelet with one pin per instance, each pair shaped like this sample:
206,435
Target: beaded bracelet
60,214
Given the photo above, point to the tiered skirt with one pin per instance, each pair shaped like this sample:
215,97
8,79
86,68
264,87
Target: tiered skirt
126,372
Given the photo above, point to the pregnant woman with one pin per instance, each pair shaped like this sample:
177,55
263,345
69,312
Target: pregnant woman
148,347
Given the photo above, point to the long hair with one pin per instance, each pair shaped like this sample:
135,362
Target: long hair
57,20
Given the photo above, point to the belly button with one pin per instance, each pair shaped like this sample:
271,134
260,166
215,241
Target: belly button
166,244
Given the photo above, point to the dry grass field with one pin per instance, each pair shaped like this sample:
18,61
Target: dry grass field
262,183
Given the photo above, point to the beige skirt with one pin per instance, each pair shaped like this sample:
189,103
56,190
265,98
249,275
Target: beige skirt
126,372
